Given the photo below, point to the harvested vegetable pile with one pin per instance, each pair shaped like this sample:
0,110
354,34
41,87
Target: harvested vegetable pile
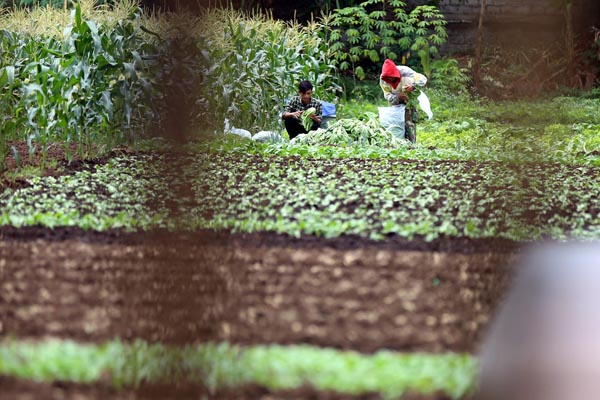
365,131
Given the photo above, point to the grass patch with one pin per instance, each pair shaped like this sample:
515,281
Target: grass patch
561,129
222,365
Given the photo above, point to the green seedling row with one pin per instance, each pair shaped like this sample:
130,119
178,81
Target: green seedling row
220,365
372,198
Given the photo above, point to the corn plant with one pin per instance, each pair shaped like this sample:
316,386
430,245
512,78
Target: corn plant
250,69
43,3
178,106
92,86
36,20
9,95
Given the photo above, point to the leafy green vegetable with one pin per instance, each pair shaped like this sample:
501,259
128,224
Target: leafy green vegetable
379,197
344,132
252,188
306,120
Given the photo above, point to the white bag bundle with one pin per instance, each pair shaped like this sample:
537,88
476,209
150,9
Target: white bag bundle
236,131
425,105
392,119
267,137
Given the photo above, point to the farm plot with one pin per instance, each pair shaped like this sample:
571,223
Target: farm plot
408,198
250,290
373,199
410,271
257,270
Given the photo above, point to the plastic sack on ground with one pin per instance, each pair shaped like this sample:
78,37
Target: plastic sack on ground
236,131
392,119
329,114
267,137
240,132
329,109
425,105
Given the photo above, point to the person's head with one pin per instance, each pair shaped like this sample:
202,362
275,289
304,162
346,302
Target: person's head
305,90
390,73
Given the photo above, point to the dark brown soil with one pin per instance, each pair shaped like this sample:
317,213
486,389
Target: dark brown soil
17,389
347,242
183,288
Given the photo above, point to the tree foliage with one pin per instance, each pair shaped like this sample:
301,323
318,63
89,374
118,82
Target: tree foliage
376,29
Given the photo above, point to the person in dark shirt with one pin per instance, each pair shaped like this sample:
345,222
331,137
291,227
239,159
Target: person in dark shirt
296,107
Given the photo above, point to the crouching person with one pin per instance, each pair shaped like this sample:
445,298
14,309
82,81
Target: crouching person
296,107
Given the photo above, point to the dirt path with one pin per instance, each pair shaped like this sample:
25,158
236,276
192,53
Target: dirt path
246,289
15,389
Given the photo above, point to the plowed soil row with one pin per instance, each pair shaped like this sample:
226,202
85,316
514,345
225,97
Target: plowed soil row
247,289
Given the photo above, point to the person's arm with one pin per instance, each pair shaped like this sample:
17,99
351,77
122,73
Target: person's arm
410,76
406,72
420,79
390,96
291,111
318,115
295,114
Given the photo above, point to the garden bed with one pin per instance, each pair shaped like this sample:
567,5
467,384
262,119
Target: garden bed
247,289
393,287
20,163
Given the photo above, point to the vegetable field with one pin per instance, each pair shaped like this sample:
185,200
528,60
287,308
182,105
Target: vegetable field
345,264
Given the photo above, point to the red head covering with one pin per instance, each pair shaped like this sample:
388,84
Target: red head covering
389,71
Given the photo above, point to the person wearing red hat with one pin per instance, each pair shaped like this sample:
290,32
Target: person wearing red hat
400,84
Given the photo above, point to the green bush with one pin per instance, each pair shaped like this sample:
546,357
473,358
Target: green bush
447,74
377,29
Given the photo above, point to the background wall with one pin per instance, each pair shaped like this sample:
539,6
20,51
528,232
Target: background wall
514,22
507,23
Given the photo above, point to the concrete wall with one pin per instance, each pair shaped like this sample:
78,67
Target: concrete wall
508,22
500,10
